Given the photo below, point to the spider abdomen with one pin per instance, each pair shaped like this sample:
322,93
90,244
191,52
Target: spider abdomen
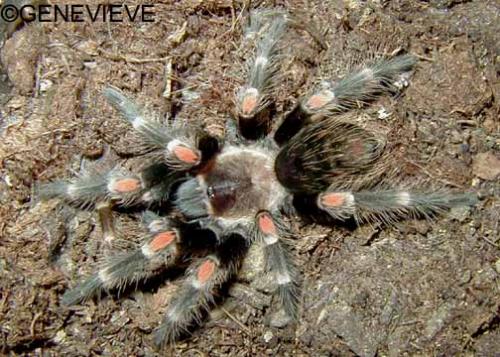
325,152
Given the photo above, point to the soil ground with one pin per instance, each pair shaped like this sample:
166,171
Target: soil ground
418,288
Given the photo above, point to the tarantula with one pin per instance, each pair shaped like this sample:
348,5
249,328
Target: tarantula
241,189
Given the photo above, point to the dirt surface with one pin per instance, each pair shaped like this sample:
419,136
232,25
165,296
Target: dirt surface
427,288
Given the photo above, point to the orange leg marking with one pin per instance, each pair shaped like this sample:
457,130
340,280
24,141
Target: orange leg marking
248,104
267,225
320,99
333,199
161,240
126,185
357,147
205,271
185,154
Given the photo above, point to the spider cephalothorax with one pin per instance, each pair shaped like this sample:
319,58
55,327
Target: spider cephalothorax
237,184
241,189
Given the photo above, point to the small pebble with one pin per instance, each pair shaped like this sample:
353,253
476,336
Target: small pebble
45,85
489,125
60,336
422,227
497,266
486,166
279,319
383,113
90,64
460,213
268,336
464,148
456,138
466,277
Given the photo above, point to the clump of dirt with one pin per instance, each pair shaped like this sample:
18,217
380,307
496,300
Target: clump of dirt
416,288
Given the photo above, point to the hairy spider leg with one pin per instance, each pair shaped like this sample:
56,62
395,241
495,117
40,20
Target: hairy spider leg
121,270
354,90
388,205
253,98
96,185
198,290
179,144
270,231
